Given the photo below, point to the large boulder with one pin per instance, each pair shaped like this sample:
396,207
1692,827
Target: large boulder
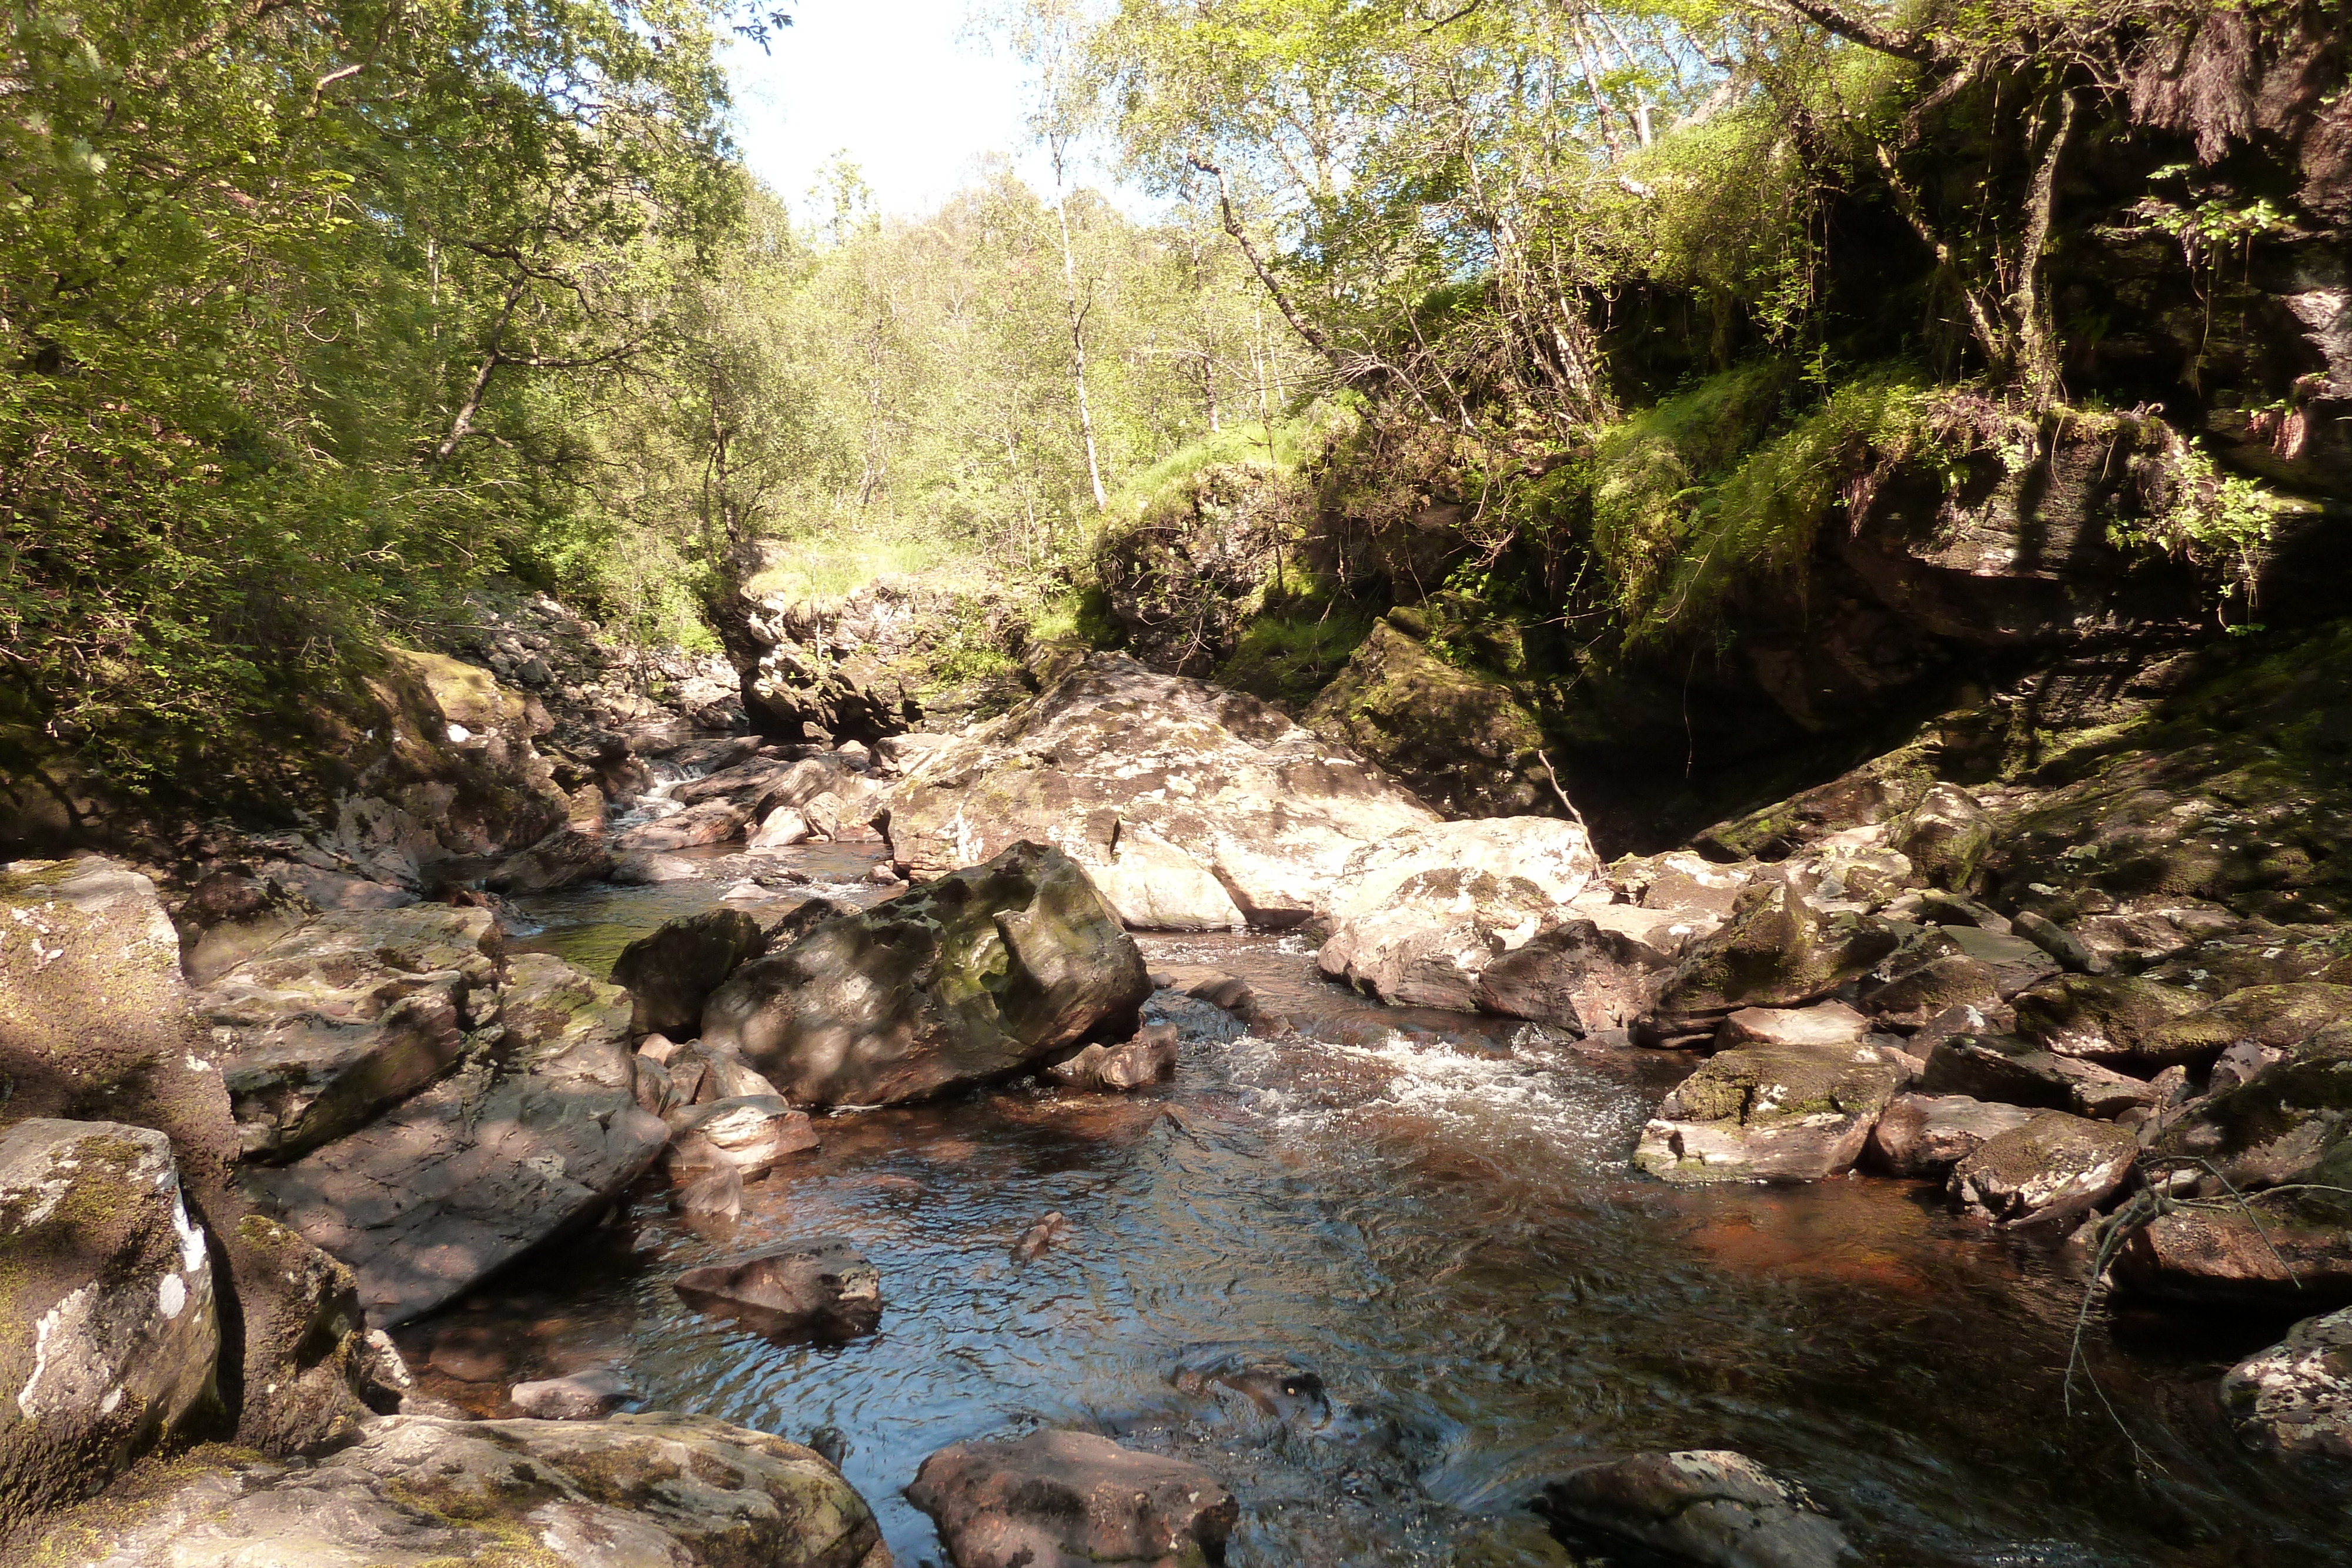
109,1335
1777,950
2273,1020
974,976
518,1147
2053,1166
1709,1506
1190,807
96,1025
680,1491
671,971
2114,1019
1072,1500
2296,1397
1772,1112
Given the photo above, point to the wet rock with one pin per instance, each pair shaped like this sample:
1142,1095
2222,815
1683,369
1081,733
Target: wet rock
1772,1112
1945,836
976,975
108,1331
461,1180
647,869
1149,1058
1709,1506
714,1194
711,823
1072,1500
2113,1018
747,1134
1597,970
572,854
1279,1390
1042,1238
681,1491
1190,807
672,970
575,1396
2270,1018
1825,1023
823,1288
2054,1165
1775,951
2296,1397
1924,1135
2272,1258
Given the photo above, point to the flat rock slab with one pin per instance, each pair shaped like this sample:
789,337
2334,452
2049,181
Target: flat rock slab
824,1288
467,1177
1824,1023
2296,1397
419,1491
1706,1506
1072,1500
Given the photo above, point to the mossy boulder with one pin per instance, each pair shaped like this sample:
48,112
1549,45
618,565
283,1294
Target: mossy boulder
2274,1017
109,1331
2052,1167
977,974
2110,1018
1461,739
684,1490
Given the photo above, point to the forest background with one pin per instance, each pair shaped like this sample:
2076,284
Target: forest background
316,315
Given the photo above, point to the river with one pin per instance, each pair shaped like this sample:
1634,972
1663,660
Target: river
1437,1216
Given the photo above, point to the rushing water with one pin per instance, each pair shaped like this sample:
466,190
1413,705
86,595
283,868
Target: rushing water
1437,1214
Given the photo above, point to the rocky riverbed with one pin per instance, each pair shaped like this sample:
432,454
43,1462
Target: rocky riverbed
1404,1190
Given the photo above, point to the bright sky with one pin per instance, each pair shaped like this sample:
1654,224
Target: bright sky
897,85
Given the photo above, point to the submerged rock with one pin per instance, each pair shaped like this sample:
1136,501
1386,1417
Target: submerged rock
681,1491
2296,1397
1772,1112
1190,807
1072,1500
2053,1166
672,970
974,976
1150,1058
575,1396
825,1287
1709,1506
108,1330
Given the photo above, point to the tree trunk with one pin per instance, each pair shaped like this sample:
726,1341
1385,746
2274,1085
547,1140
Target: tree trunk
1078,333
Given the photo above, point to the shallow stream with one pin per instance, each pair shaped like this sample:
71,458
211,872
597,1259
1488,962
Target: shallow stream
1437,1214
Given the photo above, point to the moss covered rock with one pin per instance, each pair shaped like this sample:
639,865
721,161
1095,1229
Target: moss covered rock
1462,740
976,975
1775,951
2053,1166
1780,1113
2109,1018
